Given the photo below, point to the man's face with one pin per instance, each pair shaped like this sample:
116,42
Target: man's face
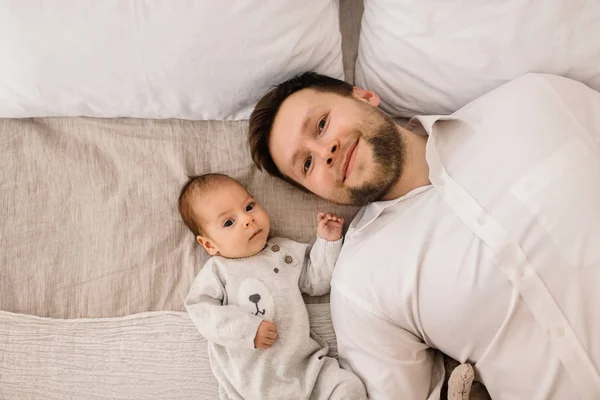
342,148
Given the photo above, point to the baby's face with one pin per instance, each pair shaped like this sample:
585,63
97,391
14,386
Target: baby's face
235,224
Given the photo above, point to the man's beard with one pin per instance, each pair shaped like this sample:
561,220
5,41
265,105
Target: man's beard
389,152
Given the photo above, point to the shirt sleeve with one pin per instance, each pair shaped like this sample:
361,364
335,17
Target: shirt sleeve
225,325
392,362
581,101
315,278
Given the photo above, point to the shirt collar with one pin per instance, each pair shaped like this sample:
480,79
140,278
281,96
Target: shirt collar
370,212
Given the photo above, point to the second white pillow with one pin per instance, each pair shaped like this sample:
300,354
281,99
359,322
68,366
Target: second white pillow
435,56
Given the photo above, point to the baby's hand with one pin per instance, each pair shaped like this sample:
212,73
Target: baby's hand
330,226
265,335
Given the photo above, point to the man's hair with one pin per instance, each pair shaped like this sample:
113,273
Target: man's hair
261,119
195,186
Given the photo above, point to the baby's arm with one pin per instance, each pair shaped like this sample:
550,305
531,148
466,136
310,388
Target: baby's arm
225,325
315,278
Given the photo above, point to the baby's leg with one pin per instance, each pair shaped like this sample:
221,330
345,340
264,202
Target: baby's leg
336,383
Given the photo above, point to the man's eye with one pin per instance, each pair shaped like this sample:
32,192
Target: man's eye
307,164
227,223
249,207
322,124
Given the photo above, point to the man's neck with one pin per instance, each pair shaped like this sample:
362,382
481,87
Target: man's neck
415,171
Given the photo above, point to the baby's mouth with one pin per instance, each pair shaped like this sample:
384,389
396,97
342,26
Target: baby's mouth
254,234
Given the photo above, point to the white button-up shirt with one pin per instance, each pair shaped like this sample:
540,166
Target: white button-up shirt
496,263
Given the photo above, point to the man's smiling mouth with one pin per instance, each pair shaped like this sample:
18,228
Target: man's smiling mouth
349,155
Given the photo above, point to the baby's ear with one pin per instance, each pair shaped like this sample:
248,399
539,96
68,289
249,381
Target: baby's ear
208,245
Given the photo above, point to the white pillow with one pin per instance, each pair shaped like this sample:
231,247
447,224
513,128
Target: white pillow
202,59
434,56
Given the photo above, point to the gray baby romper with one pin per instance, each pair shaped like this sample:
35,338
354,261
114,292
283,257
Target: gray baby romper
231,297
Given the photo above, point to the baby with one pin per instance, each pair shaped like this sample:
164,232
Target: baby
246,301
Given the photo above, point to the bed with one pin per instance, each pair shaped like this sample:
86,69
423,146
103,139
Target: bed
94,260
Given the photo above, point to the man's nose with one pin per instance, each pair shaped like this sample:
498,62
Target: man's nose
329,151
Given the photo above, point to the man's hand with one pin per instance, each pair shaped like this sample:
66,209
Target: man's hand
265,335
330,226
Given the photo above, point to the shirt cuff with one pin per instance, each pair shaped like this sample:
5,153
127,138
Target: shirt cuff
249,329
329,248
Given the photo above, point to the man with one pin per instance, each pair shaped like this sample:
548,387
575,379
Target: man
479,235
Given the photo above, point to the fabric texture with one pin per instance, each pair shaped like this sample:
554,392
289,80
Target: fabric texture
351,12
461,381
433,57
497,255
192,59
154,355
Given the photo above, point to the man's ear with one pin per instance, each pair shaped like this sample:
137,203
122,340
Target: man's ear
208,245
366,95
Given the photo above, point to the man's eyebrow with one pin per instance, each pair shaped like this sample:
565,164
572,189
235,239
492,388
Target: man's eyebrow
306,120
295,156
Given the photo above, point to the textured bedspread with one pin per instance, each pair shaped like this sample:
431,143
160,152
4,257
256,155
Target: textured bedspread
153,355
90,226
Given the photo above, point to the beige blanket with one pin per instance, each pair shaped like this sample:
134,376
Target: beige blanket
89,209
155,355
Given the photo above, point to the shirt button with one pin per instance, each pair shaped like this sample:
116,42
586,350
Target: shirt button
288,259
481,220
560,331
519,273
275,248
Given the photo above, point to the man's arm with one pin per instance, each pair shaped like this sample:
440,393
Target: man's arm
225,325
315,278
581,101
392,362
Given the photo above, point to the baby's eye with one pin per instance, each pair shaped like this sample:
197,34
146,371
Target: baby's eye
322,124
249,207
227,223
307,164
